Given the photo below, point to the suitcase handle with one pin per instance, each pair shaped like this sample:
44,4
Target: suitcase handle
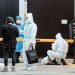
29,47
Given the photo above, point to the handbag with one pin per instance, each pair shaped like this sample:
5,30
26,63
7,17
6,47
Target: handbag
31,56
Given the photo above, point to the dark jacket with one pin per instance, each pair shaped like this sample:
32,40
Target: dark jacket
9,33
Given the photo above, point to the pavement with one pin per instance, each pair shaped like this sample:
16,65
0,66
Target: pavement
42,69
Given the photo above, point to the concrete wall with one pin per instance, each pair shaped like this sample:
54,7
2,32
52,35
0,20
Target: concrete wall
22,8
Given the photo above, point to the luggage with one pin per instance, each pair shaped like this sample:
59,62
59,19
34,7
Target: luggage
32,56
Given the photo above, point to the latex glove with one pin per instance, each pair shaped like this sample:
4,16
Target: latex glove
21,31
31,44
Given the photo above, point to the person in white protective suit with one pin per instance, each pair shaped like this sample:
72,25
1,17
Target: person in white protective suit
30,32
58,52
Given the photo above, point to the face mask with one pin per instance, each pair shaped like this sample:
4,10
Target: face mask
18,22
27,21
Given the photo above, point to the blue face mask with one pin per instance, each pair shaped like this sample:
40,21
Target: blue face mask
29,22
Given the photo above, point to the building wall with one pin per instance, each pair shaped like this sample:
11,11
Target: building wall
25,6
7,8
59,16
48,15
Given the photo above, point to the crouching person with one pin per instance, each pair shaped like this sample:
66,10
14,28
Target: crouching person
59,50
9,33
58,53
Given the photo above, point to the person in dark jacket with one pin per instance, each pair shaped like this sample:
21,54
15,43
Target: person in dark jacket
9,33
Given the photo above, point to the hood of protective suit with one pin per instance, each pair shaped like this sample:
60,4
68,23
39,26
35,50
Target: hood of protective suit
58,36
29,17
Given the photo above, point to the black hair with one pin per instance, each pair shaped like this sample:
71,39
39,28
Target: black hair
9,20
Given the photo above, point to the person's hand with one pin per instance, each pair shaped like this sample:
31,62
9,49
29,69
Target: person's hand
52,43
31,44
21,31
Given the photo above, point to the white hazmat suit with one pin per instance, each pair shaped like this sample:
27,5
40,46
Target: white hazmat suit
59,50
30,32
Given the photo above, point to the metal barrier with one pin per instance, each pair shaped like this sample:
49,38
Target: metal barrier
43,40
52,40
49,40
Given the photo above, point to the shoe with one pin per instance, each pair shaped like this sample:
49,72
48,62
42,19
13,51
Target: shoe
5,69
13,68
53,62
63,62
31,68
25,67
17,61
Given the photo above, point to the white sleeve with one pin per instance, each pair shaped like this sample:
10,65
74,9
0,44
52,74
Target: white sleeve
33,34
66,47
54,46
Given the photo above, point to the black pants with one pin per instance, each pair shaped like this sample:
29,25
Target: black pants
17,56
9,48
